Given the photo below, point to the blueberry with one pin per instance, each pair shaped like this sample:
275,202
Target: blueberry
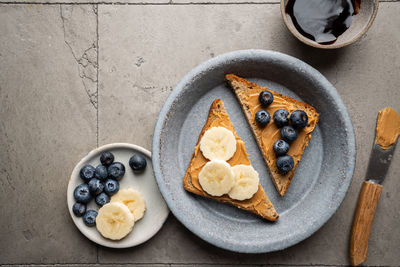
262,117
137,162
288,133
102,199
285,163
101,172
89,218
281,147
79,209
116,170
281,117
106,158
111,187
87,173
265,98
95,187
299,119
82,193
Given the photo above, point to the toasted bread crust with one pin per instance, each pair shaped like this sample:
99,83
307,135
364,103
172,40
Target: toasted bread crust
281,184
264,208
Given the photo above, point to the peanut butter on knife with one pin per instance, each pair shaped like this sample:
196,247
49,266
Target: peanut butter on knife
387,128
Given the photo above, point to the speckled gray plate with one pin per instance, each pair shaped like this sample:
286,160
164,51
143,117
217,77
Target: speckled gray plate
320,182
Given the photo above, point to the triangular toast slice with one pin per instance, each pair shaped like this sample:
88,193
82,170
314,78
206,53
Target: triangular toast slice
259,203
247,93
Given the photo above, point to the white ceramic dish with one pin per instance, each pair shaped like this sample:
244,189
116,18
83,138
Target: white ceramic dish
156,209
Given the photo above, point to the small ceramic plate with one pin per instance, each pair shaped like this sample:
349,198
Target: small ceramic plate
319,184
156,209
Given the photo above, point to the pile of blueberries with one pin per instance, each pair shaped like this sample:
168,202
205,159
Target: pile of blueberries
101,183
298,120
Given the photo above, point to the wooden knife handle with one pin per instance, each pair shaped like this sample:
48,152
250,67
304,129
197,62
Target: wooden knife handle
365,212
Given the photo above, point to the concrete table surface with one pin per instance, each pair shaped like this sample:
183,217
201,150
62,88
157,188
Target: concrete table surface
78,74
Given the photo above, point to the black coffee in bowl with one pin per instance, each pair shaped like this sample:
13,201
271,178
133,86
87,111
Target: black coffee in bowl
322,20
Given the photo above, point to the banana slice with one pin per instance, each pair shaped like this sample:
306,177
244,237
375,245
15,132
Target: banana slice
218,143
216,177
133,200
246,182
114,221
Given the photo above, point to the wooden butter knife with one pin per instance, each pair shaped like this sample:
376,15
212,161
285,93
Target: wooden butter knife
368,200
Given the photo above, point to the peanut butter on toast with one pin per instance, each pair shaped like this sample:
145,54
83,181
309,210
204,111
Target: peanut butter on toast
259,203
247,93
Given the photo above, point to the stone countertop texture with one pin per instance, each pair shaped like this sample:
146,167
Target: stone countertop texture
77,74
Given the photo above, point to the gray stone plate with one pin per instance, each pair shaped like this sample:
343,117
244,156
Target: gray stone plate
320,182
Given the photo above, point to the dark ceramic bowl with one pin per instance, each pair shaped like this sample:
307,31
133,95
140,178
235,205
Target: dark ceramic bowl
361,23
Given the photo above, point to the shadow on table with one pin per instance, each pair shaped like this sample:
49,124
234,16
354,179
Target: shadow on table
176,244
